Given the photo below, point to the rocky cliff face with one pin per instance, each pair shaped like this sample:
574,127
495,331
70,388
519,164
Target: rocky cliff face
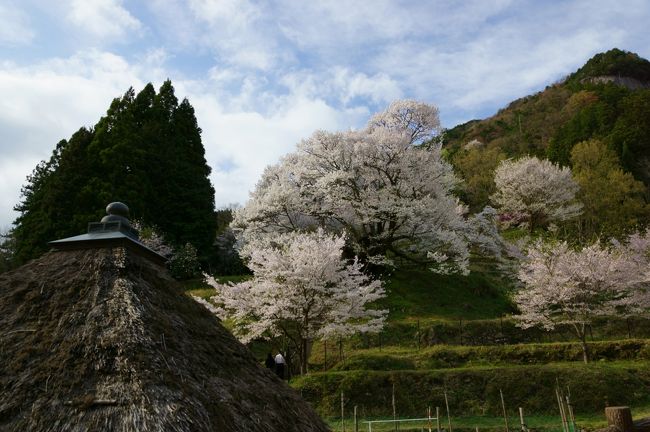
103,339
630,83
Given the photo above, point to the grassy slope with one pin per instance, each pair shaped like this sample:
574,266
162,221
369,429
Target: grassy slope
423,295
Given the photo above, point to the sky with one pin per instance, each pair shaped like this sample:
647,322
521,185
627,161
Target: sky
262,75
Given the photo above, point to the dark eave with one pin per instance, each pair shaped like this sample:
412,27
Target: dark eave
110,236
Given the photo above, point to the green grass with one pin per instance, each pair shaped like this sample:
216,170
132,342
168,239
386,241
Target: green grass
198,287
449,356
549,423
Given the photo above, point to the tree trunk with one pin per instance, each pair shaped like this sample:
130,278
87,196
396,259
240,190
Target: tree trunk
581,332
585,349
305,352
619,418
303,357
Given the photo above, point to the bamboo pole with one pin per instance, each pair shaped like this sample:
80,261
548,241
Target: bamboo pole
394,408
503,406
521,419
429,418
448,414
571,416
356,420
438,419
561,407
342,413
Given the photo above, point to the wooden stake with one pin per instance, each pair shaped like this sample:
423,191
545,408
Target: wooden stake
521,419
570,408
394,407
503,406
429,418
342,414
560,405
356,420
629,329
448,414
438,419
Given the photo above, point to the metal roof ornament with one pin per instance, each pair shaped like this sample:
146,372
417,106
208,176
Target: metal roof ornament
113,230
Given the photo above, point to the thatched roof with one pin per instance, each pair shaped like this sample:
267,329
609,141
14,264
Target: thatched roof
103,339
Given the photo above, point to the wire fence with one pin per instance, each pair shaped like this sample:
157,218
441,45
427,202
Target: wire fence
440,419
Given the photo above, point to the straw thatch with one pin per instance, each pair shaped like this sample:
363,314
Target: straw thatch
103,339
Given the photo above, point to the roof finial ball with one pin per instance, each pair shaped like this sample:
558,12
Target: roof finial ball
117,212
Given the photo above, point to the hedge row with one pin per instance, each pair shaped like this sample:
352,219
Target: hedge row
447,356
494,332
475,391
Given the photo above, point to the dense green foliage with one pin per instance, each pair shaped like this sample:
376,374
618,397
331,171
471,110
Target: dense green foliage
227,260
613,200
146,152
614,62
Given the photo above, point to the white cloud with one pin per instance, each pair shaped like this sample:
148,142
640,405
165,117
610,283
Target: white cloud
237,32
238,14
14,26
102,19
47,102
13,173
240,143
344,28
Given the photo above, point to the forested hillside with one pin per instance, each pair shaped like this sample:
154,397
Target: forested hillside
596,121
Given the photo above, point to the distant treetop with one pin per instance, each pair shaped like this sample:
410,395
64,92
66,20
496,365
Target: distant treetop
614,62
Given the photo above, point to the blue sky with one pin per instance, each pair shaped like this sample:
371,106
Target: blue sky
262,75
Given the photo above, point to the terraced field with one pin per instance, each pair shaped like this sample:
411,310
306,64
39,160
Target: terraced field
455,335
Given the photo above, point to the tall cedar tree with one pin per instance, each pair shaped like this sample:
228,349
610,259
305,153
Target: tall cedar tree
147,152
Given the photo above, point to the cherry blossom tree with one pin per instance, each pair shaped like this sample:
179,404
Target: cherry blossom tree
534,193
393,199
565,286
301,289
418,120
151,238
637,250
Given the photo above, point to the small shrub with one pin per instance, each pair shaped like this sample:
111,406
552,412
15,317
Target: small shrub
184,264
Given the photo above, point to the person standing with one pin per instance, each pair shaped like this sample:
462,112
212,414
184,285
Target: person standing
279,365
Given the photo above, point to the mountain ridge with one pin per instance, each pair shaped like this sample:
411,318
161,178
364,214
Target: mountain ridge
607,99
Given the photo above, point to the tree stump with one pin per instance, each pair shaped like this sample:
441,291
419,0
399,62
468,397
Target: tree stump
619,419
